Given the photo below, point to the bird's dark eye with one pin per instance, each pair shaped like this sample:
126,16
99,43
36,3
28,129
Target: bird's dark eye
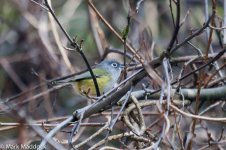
115,65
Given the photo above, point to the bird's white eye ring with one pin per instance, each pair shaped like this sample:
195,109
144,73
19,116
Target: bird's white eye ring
115,65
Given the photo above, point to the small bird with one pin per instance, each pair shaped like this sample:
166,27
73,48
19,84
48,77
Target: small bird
107,74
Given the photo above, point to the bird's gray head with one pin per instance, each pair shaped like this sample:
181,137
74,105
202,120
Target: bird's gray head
113,67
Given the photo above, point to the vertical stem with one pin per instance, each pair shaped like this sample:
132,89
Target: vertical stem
210,47
224,40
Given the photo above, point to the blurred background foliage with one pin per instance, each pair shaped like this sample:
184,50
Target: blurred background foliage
27,44
20,37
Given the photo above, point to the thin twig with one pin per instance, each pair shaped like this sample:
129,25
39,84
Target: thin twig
92,136
54,131
139,58
193,35
197,116
77,47
176,28
118,136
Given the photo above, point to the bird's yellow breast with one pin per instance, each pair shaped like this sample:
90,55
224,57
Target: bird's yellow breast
86,87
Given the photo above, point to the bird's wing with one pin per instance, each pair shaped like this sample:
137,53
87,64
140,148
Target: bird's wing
86,75
83,76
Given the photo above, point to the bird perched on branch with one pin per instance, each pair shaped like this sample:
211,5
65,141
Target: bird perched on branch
107,74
